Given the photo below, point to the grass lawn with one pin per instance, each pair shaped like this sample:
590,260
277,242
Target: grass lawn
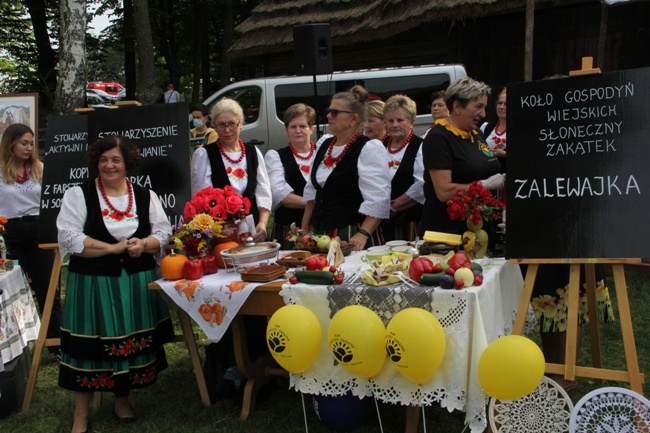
173,404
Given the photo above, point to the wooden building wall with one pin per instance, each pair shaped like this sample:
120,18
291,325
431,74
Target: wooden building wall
492,47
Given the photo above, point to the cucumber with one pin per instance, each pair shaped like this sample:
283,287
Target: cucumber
431,279
314,277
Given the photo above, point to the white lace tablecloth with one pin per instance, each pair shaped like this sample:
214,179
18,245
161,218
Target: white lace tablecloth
19,321
472,318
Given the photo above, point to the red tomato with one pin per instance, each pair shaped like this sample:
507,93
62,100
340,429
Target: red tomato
478,280
459,284
293,280
193,269
450,271
333,269
338,279
437,268
313,263
322,262
459,259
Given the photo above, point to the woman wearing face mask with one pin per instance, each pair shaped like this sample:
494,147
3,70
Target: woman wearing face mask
200,128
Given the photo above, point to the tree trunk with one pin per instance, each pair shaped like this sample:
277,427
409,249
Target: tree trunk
130,75
198,35
170,31
228,31
147,91
205,59
46,61
71,88
528,43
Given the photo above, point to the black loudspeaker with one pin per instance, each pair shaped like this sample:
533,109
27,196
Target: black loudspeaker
313,49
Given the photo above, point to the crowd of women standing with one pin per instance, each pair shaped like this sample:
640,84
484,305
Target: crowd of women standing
371,180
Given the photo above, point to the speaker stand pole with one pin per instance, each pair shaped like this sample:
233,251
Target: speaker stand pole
318,130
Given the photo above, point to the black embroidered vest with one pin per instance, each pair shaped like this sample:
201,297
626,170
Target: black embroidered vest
403,179
284,215
112,264
220,177
337,203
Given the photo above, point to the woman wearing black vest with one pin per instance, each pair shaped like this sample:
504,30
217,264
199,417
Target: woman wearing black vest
289,168
405,167
230,161
113,326
349,190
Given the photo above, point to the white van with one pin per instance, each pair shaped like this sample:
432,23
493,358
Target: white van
264,100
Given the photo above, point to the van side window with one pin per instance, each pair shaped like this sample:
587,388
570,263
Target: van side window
249,98
417,87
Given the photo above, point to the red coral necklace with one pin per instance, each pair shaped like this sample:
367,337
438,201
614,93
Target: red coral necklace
25,176
228,158
108,202
299,156
496,129
331,161
403,145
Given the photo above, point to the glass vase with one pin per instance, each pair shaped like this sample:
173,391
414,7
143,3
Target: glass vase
475,240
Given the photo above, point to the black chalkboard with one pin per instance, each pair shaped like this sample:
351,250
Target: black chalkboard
578,183
160,131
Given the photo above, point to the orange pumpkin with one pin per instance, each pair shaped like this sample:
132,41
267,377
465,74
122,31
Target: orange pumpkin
216,251
171,266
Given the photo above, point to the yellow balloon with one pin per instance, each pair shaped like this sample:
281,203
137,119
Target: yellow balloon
511,367
356,339
415,343
294,337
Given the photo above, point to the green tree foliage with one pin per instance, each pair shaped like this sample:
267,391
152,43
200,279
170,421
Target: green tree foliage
17,49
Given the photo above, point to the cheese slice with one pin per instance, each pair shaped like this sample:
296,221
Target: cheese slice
444,238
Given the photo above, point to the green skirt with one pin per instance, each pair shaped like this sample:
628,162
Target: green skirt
112,333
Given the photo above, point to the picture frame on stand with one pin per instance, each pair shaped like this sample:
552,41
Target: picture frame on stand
19,108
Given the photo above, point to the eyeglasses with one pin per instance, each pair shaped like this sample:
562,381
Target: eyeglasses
334,112
224,126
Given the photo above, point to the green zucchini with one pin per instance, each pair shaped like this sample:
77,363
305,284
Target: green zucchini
476,266
431,279
314,277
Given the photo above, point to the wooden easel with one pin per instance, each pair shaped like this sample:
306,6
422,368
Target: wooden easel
42,340
569,369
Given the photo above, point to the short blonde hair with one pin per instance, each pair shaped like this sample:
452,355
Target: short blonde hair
375,108
224,105
398,101
464,90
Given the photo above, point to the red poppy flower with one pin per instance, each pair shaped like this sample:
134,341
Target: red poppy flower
233,204
117,216
105,212
228,190
219,213
239,173
229,170
247,205
304,168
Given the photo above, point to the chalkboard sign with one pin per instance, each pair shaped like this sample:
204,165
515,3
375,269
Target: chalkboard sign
161,133
578,183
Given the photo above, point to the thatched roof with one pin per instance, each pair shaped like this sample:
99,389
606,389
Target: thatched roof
269,28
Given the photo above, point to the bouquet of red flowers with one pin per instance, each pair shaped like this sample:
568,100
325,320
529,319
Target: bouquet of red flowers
474,203
204,215
220,204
